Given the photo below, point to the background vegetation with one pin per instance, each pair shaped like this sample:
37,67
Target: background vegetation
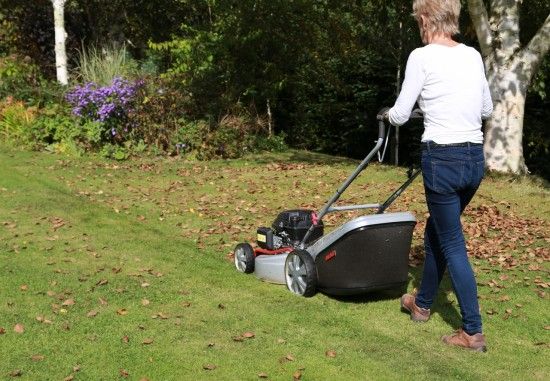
307,74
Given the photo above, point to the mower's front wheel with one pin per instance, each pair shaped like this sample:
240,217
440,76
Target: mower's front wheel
244,258
300,273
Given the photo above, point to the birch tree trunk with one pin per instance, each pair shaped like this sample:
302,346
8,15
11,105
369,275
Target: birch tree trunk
60,36
510,69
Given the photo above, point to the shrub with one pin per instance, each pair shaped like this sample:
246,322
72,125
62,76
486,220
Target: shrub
16,120
159,115
236,135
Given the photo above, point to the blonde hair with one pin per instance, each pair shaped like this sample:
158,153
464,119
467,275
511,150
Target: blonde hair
440,15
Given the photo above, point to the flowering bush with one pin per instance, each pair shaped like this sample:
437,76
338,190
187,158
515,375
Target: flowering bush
108,105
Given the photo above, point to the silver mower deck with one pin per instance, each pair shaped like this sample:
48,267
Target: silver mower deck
270,268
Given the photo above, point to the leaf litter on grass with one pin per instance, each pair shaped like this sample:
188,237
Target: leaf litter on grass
228,205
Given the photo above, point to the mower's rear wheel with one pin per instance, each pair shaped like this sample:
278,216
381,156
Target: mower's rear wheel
300,273
244,258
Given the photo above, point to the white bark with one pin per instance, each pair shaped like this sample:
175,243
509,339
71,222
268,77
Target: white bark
510,69
60,36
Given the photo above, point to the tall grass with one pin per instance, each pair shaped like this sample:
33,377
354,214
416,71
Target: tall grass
101,64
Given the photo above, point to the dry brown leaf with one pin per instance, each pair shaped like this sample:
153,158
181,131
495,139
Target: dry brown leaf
19,328
297,375
24,287
37,357
16,373
125,339
145,302
330,353
92,313
262,375
124,373
68,302
209,367
103,302
147,341
69,378
102,282
248,335
122,311
2,330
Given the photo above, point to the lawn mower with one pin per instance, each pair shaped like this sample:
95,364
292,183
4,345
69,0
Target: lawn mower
367,253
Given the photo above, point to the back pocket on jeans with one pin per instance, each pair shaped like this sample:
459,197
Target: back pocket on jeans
446,176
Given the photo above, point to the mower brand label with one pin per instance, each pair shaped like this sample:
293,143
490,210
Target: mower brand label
262,238
330,255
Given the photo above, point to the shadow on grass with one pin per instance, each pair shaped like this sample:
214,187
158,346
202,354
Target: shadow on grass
299,156
447,309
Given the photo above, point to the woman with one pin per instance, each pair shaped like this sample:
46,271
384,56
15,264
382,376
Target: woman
448,81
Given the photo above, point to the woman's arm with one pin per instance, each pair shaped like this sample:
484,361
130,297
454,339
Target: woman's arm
412,86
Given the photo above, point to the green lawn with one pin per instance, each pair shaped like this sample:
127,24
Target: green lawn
121,271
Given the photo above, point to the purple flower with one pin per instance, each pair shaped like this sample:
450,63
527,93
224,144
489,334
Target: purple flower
108,105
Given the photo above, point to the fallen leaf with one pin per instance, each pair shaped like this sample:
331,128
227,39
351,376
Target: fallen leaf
122,311
281,341
103,302
69,378
76,368
248,335
330,353
221,306
16,373
209,367
2,330
102,282
547,327
24,287
297,375
37,357
262,375
19,328
145,302
68,302
145,284
124,373
125,339
92,313
147,341
186,304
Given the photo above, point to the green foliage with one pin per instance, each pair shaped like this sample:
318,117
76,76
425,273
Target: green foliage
17,77
101,65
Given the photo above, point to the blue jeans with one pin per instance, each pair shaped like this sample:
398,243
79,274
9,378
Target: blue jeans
451,178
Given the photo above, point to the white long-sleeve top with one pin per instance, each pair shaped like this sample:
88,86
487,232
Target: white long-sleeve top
451,89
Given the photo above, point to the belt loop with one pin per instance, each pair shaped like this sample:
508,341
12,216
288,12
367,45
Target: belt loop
428,145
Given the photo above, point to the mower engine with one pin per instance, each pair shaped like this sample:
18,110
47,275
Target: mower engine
288,230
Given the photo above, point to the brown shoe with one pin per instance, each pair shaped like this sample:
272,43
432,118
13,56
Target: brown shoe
462,339
417,314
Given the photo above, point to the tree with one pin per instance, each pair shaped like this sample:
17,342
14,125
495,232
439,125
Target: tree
60,36
510,68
